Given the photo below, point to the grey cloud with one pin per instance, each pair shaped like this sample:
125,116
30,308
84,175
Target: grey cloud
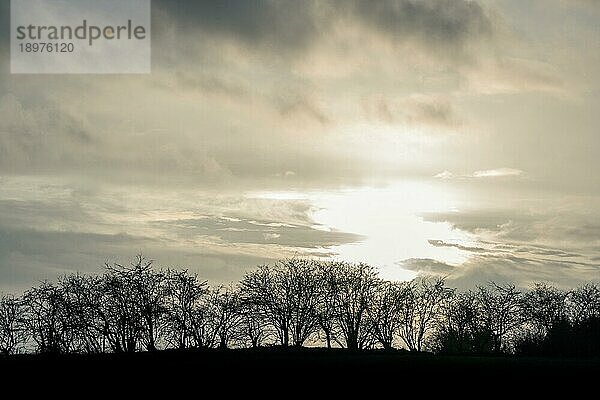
27,256
441,243
522,271
521,252
47,229
523,247
574,228
298,104
268,232
443,27
481,269
277,26
209,83
477,220
427,266
431,111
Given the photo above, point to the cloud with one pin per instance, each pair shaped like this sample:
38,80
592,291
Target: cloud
502,267
444,175
445,27
427,266
292,27
482,174
498,172
558,244
300,105
274,26
416,110
50,227
244,231
505,75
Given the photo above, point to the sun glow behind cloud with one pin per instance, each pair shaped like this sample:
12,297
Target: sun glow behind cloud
389,219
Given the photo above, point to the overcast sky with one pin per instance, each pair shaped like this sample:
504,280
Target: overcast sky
449,137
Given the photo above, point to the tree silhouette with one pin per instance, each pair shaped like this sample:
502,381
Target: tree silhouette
355,287
501,312
385,313
184,296
461,329
422,303
13,332
295,301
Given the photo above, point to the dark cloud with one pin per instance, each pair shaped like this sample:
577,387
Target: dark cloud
288,26
571,228
502,268
427,266
48,229
27,256
279,26
481,269
292,104
429,111
476,220
441,243
251,231
443,25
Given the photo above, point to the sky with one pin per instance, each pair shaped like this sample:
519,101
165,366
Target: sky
452,137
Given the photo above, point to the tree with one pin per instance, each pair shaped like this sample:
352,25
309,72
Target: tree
544,307
326,306
79,309
287,295
13,333
354,288
422,303
119,316
460,329
584,303
501,308
185,294
270,295
224,310
304,295
385,312
253,327
147,291
46,319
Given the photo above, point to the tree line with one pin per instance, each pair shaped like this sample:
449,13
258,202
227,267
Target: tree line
295,302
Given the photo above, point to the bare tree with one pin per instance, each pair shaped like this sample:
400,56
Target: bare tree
80,311
224,304
302,276
422,303
543,307
185,294
584,302
253,329
460,329
147,293
385,312
501,312
355,286
120,315
13,333
46,320
286,295
271,296
326,306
